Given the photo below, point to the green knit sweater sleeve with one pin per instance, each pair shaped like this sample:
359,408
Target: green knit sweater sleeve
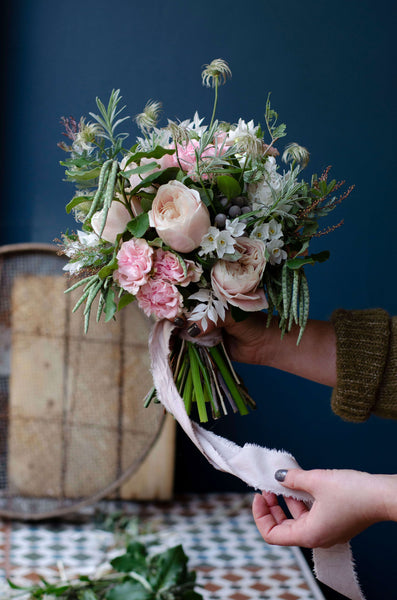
366,363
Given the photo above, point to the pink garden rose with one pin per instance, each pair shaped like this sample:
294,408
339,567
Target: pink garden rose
160,298
135,260
167,267
237,282
179,216
116,221
187,157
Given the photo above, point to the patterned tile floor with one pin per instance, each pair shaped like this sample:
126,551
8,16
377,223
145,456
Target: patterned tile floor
217,533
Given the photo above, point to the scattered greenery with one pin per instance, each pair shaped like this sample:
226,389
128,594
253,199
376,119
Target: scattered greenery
135,575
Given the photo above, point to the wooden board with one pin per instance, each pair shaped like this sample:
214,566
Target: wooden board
77,420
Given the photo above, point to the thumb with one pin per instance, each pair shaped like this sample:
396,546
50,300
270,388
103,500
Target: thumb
296,479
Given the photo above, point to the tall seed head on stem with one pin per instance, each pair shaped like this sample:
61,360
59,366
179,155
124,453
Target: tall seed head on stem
217,72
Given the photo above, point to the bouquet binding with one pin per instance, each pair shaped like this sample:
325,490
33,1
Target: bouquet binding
190,222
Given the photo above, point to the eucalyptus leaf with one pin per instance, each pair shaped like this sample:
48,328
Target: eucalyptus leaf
110,305
228,186
125,300
157,152
300,261
169,568
76,201
146,203
139,225
87,595
108,269
140,170
129,590
159,177
83,175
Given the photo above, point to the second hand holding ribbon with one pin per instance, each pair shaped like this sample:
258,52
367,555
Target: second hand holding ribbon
253,464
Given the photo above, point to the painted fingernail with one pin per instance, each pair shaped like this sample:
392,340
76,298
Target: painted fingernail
179,322
193,330
281,474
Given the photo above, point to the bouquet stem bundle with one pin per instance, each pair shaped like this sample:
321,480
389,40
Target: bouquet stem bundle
206,380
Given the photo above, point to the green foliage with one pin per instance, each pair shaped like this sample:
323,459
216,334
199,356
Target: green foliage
271,117
228,186
139,225
136,575
108,116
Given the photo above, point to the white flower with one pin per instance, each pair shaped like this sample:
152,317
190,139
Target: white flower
241,130
74,267
208,242
267,231
210,308
224,243
276,254
195,124
221,242
263,192
235,227
88,239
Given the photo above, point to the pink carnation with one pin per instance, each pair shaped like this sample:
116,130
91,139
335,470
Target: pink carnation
168,267
134,265
160,298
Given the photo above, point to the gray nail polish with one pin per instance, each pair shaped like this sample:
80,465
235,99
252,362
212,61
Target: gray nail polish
179,322
281,474
193,330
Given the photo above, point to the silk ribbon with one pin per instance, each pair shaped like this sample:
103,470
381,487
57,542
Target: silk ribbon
255,465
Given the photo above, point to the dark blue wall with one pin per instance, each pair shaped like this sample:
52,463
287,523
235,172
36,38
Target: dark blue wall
331,69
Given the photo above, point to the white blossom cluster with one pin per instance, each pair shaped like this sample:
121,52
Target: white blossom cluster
271,234
222,241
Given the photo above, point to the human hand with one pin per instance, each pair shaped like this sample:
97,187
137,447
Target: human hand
345,503
251,341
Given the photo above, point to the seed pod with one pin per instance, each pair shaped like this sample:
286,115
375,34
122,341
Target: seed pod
234,211
220,220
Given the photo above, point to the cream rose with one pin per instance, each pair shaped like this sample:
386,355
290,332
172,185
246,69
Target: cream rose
116,221
237,282
179,216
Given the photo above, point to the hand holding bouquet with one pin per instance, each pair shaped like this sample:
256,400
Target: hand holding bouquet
191,221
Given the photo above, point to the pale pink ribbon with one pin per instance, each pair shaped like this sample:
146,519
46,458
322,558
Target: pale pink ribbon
255,465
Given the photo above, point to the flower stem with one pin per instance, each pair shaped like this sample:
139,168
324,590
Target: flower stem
215,101
198,388
229,381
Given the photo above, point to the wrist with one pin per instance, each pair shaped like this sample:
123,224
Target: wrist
388,493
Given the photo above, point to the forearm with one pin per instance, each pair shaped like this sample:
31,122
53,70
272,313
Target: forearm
315,357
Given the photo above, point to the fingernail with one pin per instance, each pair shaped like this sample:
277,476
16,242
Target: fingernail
193,330
179,322
281,474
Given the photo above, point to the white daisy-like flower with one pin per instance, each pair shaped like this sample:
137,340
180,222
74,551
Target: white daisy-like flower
276,254
224,243
268,231
208,242
235,227
221,242
241,130
209,309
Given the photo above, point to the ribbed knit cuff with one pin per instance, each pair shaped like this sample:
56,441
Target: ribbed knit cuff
362,343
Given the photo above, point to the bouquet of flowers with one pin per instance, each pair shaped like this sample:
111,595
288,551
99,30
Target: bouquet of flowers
191,221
